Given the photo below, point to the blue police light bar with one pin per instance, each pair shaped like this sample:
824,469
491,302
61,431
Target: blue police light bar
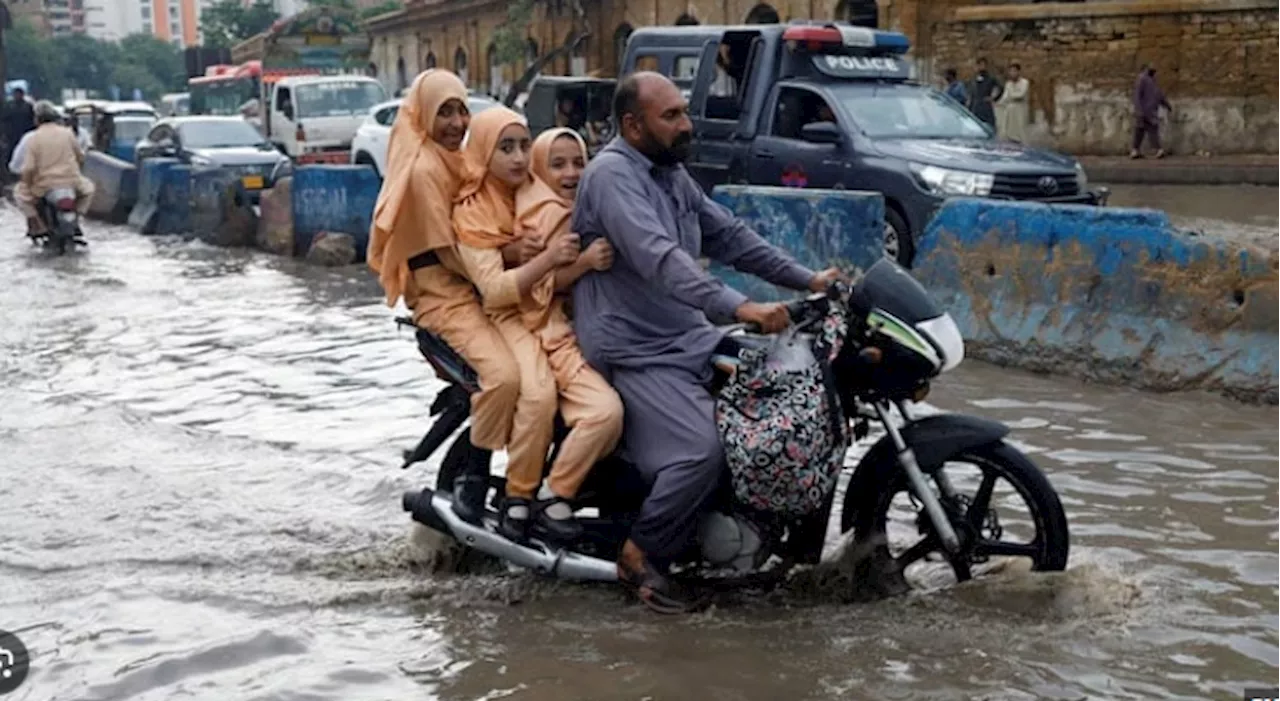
847,37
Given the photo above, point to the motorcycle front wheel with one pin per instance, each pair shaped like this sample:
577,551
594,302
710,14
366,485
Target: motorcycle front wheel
973,503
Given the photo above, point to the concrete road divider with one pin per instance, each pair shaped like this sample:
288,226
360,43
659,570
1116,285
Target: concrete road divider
116,186
821,228
336,199
1118,296
221,212
164,198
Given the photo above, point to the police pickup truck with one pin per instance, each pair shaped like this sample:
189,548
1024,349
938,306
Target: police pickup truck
833,106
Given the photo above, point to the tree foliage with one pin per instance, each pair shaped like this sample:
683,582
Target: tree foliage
229,22
78,62
381,9
509,41
511,44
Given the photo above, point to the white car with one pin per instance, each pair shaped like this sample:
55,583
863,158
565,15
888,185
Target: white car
369,147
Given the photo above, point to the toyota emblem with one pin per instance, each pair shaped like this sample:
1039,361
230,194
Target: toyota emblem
1048,185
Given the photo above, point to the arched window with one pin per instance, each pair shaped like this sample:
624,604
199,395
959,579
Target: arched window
402,74
859,13
763,14
460,64
576,62
431,59
620,36
494,86
686,19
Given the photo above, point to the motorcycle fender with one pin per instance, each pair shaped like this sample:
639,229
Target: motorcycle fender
934,439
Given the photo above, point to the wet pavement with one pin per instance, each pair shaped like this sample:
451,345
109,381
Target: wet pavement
200,499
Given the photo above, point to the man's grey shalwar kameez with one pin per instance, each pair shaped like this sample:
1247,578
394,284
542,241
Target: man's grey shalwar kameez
644,324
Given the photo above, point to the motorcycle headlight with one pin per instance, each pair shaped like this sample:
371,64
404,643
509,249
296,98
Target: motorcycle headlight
947,182
67,216
1082,179
944,332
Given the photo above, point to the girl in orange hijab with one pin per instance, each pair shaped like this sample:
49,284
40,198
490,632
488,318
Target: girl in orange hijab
523,305
412,248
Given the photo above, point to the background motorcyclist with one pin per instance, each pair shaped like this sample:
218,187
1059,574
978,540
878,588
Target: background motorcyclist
53,159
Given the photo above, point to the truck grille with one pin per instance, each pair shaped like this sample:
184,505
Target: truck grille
1035,187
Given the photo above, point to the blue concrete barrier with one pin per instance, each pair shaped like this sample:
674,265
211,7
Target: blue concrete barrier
221,213
337,199
1113,295
115,186
821,228
164,198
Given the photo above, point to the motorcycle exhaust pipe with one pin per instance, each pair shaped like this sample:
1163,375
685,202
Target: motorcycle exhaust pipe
435,511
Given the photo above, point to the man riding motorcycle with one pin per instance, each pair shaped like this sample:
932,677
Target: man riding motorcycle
644,323
53,159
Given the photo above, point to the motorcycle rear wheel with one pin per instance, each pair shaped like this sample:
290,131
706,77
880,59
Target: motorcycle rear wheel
1048,550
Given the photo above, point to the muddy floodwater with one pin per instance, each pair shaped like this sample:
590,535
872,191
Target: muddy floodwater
200,499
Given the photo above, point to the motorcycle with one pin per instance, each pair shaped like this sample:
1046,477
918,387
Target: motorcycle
57,210
898,341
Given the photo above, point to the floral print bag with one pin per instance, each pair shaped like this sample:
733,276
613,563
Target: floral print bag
780,419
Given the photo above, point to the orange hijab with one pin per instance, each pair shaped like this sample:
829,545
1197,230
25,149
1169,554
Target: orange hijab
484,215
540,210
412,215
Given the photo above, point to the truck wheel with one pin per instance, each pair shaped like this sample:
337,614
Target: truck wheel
898,243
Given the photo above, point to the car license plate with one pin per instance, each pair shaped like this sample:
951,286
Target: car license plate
252,182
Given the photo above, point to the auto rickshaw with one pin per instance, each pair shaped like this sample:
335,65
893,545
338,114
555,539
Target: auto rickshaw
117,127
579,103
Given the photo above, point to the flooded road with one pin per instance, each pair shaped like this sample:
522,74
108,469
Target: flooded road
201,499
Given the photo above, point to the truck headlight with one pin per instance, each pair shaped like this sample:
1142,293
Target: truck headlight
945,181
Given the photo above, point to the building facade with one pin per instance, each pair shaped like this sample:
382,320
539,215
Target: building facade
1216,59
176,21
457,34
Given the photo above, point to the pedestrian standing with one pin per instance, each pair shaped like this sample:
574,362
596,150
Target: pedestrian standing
955,87
1148,98
984,93
19,118
1013,109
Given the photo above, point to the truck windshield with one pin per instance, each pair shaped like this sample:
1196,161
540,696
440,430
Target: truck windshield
909,112
338,99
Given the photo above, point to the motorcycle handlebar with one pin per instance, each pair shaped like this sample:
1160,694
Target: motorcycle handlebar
801,307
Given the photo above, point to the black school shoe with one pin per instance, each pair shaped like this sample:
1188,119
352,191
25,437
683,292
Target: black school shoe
515,530
469,492
565,531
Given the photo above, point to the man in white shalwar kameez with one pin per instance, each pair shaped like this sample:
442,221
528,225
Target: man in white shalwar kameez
1013,109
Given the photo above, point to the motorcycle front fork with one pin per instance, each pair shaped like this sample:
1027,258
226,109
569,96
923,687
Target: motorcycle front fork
918,482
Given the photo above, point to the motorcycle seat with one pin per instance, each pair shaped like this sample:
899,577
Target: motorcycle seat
448,364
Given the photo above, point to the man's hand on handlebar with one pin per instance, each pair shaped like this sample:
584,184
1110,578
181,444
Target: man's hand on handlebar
763,318
821,281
